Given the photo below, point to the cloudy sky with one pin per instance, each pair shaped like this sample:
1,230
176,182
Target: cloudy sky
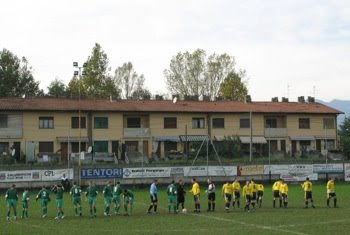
297,43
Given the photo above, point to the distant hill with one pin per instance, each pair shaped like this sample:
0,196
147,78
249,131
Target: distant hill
341,105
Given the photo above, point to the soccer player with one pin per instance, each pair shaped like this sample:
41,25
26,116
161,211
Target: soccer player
44,196
11,197
107,194
153,195
211,195
75,194
180,195
59,191
260,194
227,191
307,186
128,201
254,197
237,193
276,193
196,191
284,193
91,194
172,192
117,191
248,194
25,203
331,192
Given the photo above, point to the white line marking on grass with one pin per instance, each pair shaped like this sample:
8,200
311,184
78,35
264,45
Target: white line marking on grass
315,223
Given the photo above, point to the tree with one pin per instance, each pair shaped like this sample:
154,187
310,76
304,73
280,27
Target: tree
344,133
57,88
16,78
233,88
130,83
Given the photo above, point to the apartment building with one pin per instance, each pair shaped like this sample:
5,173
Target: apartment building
37,127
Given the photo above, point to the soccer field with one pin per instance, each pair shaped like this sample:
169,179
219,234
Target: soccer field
266,220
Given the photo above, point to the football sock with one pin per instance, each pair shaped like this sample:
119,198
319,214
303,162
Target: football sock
155,208
233,204
238,203
335,202
26,213
8,213
23,213
274,203
94,210
76,211
209,206
213,206
327,202
150,208
280,203
90,211
199,207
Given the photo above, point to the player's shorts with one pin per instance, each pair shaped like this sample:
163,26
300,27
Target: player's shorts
59,203
108,200
308,195
25,205
171,199
284,195
180,199
154,199
248,198
196,198
44,202
116,199
260,193
92,200
237,195
211,196
276,193
254,196
76,201
228,197
331,195
128,200
11,202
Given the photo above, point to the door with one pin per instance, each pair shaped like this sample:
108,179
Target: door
17,148
64,151
318,145
294,147
115,147
283,146
145,148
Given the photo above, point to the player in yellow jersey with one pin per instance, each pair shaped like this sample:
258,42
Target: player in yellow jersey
331,192
237,193
307,186
254,197
276,193
196,194
260,194
227,191
284,193
248,194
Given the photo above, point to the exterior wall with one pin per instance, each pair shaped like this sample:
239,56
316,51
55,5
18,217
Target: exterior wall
14,126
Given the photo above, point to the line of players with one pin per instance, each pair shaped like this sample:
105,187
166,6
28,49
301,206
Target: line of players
114,194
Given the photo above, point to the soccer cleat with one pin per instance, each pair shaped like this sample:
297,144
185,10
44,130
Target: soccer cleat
8,218
44,216
56,218
15,217
62,217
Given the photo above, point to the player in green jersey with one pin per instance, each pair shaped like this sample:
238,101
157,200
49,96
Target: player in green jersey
11,197
117,191
91,194
44,196
172,192
25,203
128,201
75,194
59,191
107,194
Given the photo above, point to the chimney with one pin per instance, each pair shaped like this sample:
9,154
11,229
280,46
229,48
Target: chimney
301,99
310,99
159,97
248,99
285,100
274,99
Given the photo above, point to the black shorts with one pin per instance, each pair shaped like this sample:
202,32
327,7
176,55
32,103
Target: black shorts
276,193
248,198
180,199
284,196
228,197
154,199
211,196
308,195
196,198
237,195
331,195
254,196
260,193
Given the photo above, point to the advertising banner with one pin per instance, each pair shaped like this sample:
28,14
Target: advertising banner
294,169
328,168
20,176
347,171
56,175
101,173
250,170
154,172
211,171
312,177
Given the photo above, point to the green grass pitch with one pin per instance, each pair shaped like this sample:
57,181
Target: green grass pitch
293,220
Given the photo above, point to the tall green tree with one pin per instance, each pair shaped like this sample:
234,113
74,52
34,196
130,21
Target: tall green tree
16,78
57,88
344,133
233,87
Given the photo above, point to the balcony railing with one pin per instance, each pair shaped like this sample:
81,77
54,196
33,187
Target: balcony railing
276,132
136,132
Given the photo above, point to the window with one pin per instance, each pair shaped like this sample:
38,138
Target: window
304,123
170,146
134,122
271,123
273,146
132,146
101,146
328,123
75,122
4,147
75,147
46,122
218,123
244,123
170,122
198,123
45,147
330,145
101,122
3,121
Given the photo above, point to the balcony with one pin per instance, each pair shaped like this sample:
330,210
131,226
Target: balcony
136,132
276,132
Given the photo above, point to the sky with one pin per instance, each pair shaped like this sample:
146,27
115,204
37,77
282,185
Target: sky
289,48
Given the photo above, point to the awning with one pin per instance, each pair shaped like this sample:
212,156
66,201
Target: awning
166,138
193,138
255,139
303,138
72,139
325,137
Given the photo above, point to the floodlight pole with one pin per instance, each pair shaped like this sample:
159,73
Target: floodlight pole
251,137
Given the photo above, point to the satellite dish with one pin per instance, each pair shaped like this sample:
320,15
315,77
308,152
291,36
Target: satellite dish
175,100
89,149
13,152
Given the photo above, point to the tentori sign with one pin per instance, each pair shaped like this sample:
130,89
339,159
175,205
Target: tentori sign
101,173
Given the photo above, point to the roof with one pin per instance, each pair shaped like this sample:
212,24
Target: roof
63,104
